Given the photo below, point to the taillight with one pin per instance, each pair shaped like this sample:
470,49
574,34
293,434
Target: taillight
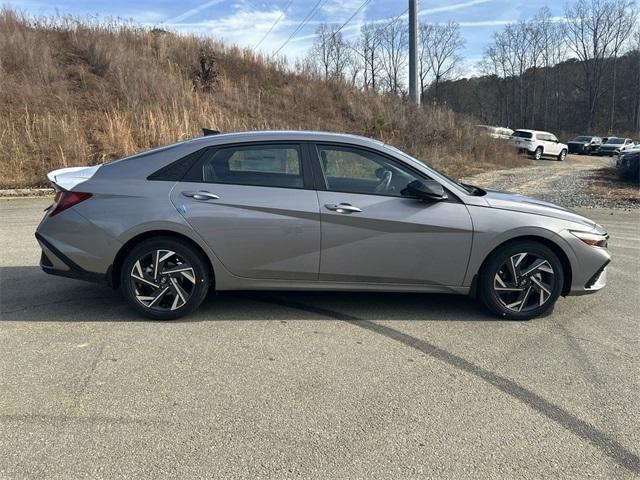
64,200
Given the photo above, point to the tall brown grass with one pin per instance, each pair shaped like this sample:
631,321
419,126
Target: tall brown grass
78,93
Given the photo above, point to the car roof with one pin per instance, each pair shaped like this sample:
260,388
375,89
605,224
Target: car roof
532,131
283,135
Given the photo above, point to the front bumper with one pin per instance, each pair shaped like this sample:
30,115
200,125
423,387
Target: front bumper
588,267
602,152
577,148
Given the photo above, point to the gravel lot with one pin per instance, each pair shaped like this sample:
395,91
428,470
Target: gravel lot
284,385
565,183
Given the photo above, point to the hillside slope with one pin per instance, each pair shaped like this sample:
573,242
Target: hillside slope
73,93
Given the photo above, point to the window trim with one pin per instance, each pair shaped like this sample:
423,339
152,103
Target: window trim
306,174
321,185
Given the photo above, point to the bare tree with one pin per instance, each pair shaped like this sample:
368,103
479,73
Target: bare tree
591,32
624,19
330,52
635,49
355,65
552,52
394,42
368,47
340,50
443,47
424,65
321,50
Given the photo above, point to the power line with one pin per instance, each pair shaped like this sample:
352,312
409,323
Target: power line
302,24
362,5
274,25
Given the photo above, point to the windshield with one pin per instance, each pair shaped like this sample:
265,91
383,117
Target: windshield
582,139
470,189
615,141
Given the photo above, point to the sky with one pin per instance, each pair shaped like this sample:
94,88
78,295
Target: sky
245,22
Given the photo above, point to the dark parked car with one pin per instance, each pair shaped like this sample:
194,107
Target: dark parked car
584,144
611,145
629,166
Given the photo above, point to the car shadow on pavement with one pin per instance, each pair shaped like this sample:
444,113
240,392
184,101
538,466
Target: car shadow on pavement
28,294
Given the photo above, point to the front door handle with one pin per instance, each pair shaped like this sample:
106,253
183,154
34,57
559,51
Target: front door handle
201,195
342,208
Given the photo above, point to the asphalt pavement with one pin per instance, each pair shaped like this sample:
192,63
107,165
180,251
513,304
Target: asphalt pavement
314,385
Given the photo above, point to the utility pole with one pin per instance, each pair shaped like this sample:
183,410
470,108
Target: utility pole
414,94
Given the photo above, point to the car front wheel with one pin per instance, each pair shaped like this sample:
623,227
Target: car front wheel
562,155
521,280
164,279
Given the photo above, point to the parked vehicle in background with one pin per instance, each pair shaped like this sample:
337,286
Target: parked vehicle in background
502,133
628,147
584,144
628,165
309,211
611,145
539,144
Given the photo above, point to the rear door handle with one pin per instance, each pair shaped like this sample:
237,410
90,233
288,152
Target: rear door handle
201,195
342,208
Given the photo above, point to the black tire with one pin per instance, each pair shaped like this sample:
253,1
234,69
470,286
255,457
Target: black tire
492,267
562,155
196,285
537,154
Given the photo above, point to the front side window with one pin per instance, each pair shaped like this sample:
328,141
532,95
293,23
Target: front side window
264,165
352,170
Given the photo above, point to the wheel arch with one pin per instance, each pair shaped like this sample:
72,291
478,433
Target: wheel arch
113,274
553,246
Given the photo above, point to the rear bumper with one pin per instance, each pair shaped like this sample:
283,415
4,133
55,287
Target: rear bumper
74,247
54,262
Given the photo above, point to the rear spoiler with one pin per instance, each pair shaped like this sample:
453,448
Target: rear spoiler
65,179
208,131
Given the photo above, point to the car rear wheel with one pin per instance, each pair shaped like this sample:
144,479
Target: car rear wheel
562,155
165,279
538,153
521,280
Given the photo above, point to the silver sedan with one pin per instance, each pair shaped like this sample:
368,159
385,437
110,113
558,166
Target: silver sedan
290,210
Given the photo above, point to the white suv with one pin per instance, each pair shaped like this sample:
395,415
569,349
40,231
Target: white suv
539,144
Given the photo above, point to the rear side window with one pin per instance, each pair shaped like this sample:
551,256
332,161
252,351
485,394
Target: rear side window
177,170
521,134
260,165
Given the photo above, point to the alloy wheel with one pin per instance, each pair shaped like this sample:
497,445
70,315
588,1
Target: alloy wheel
524,282
162,280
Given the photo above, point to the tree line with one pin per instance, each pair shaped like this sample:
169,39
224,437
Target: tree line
575,73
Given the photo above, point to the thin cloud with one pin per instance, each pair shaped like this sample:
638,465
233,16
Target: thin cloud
487,23
193,11
455,6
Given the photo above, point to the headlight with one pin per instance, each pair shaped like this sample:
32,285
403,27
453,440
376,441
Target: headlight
591,238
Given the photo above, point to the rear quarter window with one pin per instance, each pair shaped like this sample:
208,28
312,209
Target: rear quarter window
521,134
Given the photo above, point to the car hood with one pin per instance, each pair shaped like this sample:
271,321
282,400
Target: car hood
520,203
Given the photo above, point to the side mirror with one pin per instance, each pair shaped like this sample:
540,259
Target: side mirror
428,190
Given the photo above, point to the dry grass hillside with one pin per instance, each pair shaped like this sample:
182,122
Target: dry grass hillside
74,93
